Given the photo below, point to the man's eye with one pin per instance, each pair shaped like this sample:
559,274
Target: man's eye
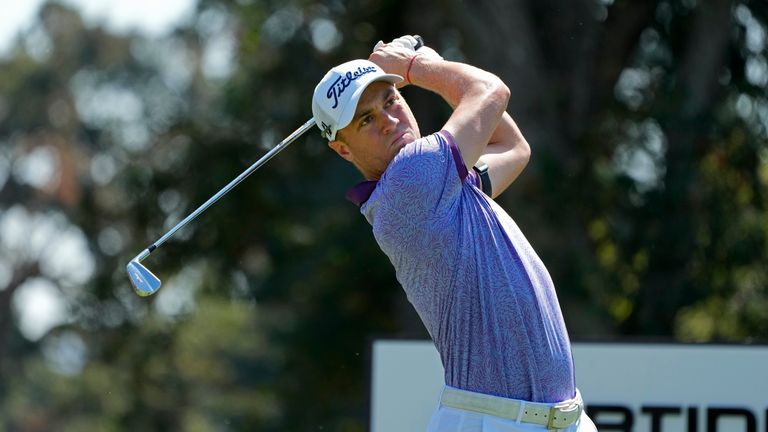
365,120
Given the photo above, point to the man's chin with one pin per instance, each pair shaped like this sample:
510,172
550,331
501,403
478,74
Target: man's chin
404,140
397,146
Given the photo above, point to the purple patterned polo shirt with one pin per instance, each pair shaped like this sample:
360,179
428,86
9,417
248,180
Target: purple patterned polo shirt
483,294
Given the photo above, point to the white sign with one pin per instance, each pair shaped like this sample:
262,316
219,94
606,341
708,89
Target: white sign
627,387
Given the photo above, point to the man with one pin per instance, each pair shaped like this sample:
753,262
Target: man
486,299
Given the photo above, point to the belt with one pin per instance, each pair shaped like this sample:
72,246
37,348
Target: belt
554,416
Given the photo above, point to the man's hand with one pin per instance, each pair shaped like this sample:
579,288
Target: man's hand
393,59
396,56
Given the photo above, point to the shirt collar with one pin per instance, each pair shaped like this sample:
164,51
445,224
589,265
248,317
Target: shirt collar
360,193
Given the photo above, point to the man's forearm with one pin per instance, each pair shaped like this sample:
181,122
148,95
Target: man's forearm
478,98
453,81
507,154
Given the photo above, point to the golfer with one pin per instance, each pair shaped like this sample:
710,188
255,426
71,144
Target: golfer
483,294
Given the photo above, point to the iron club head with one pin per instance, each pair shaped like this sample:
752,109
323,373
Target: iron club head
145,283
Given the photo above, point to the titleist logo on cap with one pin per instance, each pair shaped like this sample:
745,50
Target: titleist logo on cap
343,81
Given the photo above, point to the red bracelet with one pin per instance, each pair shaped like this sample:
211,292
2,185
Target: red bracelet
410,63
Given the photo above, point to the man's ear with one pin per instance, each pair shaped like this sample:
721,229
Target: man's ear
341,148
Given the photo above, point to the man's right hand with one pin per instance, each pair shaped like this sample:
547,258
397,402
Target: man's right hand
398,56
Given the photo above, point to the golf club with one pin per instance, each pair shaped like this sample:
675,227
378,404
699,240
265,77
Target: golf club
145,283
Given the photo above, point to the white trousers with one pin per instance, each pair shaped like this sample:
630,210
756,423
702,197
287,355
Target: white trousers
447,419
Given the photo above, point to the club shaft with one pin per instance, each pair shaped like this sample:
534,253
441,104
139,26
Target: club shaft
275,150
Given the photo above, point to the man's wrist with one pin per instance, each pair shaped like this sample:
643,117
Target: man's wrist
410,65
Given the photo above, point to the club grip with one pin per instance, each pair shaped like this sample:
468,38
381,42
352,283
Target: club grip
419,42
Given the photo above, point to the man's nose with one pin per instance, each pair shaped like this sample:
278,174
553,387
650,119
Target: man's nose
390,122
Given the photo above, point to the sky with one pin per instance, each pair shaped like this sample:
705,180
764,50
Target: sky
151,17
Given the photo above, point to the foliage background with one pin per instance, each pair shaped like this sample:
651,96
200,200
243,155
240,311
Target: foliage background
645,197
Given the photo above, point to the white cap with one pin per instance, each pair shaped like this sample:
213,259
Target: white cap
335,99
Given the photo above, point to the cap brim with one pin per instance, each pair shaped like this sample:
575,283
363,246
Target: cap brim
351,107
